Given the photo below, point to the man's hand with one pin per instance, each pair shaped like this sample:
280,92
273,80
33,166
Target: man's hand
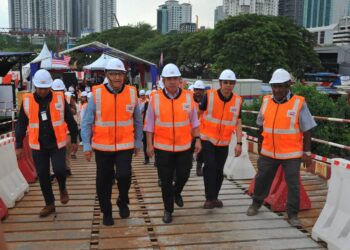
74,148
238,150
88,155
19,153
150,150
136,151
307,160
197,146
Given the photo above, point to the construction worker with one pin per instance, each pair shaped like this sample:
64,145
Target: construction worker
284,139
143,101
198,93
82,109
114,121
58,85
70,98
46,115
221,118
171,121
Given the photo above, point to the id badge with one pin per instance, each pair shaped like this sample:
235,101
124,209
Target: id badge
43,115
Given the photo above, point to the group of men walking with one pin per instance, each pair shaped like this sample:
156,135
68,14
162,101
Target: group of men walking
174,124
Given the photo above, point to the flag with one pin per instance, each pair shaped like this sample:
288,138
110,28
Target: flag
60,60
161,60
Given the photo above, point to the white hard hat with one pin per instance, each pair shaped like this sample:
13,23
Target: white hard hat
71,89
171,70
42,79
87,89
142,92
58,85
148,92
199,85
228,75
89,95
84,94
115,64
191,87
280,76
68,93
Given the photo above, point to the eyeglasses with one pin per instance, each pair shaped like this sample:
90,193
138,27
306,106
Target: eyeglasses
115,74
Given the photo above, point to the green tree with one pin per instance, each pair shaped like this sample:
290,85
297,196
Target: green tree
194,54
255,45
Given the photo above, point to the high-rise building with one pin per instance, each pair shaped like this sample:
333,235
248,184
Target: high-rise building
171,14
188,27
73,16
262,7
294,9
218,14
317,13
162,19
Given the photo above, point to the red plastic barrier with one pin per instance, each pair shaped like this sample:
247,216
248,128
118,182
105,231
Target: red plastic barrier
26,164
3,210
277,197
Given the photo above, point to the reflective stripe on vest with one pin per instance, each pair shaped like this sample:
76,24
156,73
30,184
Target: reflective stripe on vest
214,141
104,147
282,156
171,147
61,121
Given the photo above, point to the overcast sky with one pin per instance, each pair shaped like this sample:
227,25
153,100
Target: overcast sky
134,11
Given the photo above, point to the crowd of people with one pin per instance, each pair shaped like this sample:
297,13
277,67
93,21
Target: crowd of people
173,124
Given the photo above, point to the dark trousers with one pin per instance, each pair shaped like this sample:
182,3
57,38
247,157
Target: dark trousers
42,164
144,141
167,163
267,168
213,171
105,162
199,158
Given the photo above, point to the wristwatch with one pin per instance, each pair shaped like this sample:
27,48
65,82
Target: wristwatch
307,153
239,143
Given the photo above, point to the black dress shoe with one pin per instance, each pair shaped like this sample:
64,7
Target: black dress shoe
69,172
167,218
108,220
124,211
178,200
146,162
159,183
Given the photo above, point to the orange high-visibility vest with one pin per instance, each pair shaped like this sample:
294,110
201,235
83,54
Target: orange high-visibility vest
219,120
57,106
113,129
282,136
172,127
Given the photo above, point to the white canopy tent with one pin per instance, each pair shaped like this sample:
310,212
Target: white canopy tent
45,58
100,63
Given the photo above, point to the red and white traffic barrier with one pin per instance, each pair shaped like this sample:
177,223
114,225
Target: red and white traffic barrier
12,183
333,224
7,135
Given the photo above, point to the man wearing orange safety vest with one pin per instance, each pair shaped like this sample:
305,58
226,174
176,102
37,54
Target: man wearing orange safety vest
45,115
171,122
285,139
221,118
112,126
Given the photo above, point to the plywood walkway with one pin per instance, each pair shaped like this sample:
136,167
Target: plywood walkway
78,225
